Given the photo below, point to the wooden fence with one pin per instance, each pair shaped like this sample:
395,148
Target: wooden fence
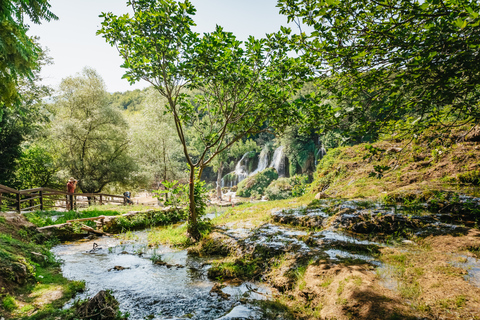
46,198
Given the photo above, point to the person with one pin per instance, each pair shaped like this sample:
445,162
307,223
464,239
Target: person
127,195
71,185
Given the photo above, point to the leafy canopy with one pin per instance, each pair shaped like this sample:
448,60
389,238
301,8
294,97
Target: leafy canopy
18,52
409,60
242,84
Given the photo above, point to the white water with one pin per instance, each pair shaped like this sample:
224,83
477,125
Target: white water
278,161
262,162
241,171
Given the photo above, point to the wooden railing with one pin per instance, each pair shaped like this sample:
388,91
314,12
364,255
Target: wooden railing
46,198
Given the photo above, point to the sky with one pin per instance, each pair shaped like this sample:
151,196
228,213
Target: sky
73,43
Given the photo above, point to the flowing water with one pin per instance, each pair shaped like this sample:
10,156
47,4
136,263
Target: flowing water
144,289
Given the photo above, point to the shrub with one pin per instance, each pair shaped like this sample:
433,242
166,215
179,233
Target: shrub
257,183
285,188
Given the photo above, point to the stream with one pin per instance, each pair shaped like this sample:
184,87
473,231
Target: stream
180,288
149,291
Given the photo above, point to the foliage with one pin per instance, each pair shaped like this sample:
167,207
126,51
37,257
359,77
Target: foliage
24,121
18,52
128,100
91,136
155,145
255,185
405,64
299,149
242,84
175,194
284,188
36,168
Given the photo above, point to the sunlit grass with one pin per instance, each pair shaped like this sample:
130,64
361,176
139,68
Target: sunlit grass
259,213
174,235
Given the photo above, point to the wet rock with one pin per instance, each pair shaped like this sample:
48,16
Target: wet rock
117,268
305,218
217,288
103,306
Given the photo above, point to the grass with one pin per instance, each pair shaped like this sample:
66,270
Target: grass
174,235
259,213
25,258
347,171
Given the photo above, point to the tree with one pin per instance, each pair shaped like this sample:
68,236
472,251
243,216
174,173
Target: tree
243,84
18,52
155,144
90,135
393,61
24,121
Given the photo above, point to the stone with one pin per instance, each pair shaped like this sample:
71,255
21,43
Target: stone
321,195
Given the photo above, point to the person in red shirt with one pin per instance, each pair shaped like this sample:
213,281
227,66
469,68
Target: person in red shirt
71,185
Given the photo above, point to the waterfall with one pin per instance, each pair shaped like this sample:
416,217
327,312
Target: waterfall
241,170
278,161
319,155
262,162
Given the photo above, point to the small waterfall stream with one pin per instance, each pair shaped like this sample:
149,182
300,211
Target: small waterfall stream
241,171
278,161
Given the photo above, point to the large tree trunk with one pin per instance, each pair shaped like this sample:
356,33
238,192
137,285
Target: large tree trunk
219,181
192,228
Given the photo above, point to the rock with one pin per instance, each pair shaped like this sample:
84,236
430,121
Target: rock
217,288
321,195
118,268
20,271
38,257
394,150
103,306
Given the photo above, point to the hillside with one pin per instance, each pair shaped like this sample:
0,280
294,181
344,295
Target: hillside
399,169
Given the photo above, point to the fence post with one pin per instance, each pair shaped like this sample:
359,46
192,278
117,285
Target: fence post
74,197
19,208
70,202
101,200
124,200
41,199
1,195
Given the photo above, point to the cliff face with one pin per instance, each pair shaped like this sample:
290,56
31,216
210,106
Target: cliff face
432,162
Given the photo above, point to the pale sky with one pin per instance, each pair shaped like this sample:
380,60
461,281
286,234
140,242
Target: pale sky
73,44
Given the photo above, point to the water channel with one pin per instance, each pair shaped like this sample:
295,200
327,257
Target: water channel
149,291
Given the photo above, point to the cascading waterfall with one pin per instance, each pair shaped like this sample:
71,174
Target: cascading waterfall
319,155
241,172
278,161
262,162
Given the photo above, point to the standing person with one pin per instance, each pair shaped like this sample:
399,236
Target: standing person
71,185
128,195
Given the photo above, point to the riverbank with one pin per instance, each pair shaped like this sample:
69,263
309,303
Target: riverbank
31,281
393,266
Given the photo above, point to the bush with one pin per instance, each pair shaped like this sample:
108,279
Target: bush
256,184
285,188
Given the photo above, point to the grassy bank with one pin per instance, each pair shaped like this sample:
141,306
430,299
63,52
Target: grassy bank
31,283
399,168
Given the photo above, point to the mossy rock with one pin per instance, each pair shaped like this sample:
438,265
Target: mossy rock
256,184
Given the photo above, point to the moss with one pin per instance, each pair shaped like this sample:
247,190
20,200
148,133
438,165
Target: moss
470,177
434,160
242,268
256,184
284,188
9,303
